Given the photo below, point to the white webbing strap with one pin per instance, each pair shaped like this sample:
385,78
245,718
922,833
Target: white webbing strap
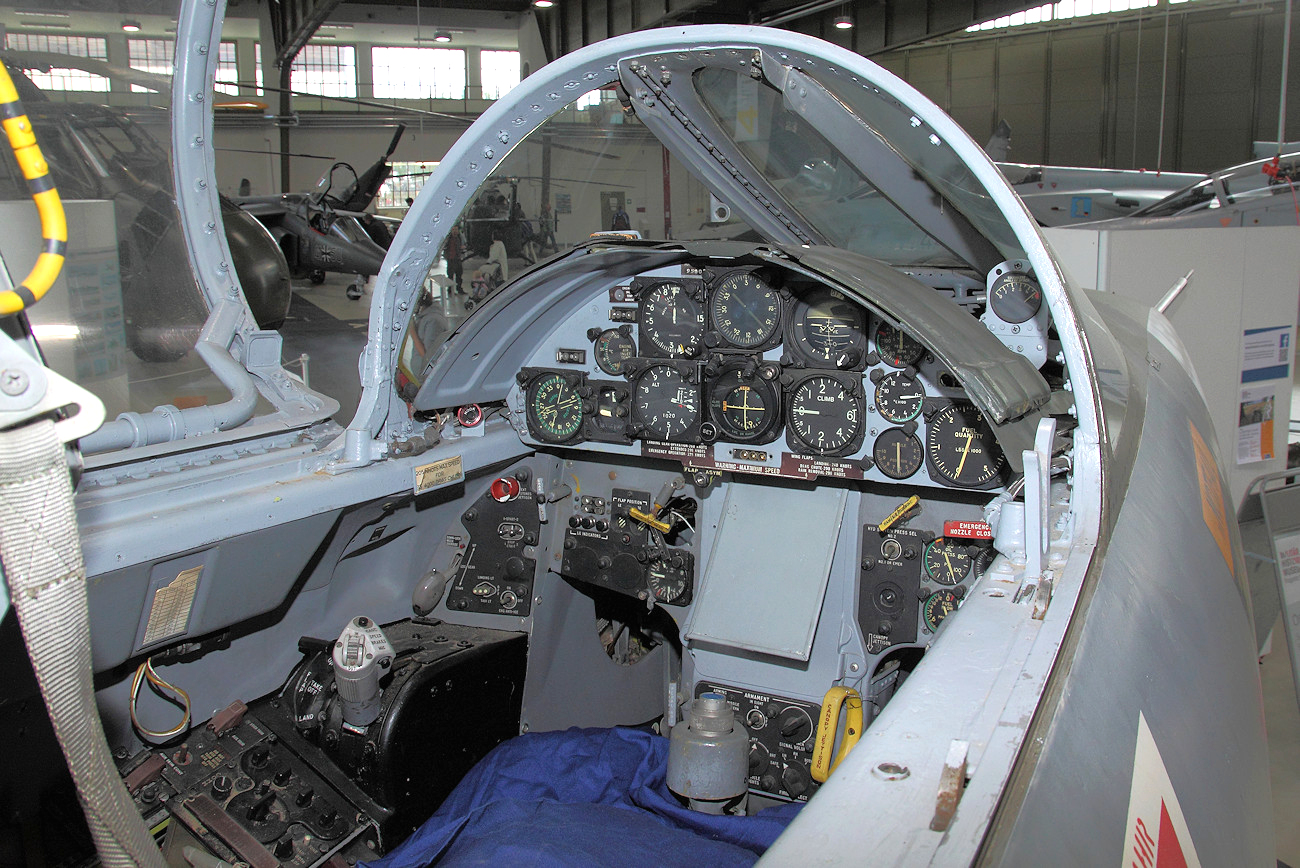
41,556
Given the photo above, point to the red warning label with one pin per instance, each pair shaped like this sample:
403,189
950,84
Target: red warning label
967,530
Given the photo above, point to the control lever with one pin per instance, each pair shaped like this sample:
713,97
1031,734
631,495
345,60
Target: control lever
362,656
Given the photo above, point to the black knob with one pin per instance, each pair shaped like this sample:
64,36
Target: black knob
602,525
304,798
796,780
283,776
588,522
284,849
149,794
574,521
758,759
258,758
604,562
328,816
768,783
515,567
794,725
220,787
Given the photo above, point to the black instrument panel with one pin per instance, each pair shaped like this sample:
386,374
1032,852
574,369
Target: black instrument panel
756,369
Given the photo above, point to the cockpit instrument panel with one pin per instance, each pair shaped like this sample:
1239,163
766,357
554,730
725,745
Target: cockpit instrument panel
763,370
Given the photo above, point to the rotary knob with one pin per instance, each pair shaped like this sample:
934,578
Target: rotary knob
796,780
794,725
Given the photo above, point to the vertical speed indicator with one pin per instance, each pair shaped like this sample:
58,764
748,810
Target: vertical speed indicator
825,416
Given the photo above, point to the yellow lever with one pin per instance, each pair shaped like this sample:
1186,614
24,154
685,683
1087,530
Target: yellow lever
835,698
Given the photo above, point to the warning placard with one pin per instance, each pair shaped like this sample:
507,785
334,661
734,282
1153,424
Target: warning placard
1212,508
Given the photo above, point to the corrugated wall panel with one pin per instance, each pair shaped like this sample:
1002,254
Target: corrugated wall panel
1077,110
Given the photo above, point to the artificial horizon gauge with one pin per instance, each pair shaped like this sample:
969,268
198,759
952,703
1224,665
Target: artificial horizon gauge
664,403
938,606
824,416
899,397
744,407
554,408
897,453
896,347
613,348
946,562
745,311
671,320
1015,297
961,447
829,330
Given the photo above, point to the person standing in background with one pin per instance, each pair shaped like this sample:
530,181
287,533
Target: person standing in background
453,250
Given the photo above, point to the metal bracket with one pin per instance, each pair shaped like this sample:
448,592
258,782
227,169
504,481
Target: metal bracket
1038,504
28,390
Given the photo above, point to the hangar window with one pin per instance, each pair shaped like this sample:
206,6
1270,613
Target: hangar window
1061,11
402,72
328,70
157,56
499,71
405,182
59,78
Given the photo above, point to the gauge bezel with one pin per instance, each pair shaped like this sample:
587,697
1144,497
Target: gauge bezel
1012,277
797,349
622,331
895,362
648,346
852,385
686,570
888,434
533,380
614,431
935,429
717,335
930,624
886,381
689,372
765,433
944,580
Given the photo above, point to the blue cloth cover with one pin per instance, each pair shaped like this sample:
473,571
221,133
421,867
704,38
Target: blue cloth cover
584,797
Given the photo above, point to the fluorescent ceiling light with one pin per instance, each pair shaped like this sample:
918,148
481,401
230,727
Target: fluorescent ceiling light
543,4
843,22
442,36
131,26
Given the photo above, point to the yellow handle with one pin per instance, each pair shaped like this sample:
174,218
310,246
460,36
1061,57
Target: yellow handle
54,226
835,698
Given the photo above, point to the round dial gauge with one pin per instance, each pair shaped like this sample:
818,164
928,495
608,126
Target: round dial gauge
829,329
1015,297
897,348
613,348
671,320
664,403
554,408
745,408
824,417
938,606
962,448
667,583
897,454
899,397
946,562
746,311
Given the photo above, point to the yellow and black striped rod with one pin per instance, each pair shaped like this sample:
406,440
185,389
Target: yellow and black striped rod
54,226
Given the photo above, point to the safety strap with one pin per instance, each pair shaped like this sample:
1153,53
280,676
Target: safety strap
41,556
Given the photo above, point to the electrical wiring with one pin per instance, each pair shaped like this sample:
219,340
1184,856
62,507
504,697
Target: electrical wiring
54,224
145,672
